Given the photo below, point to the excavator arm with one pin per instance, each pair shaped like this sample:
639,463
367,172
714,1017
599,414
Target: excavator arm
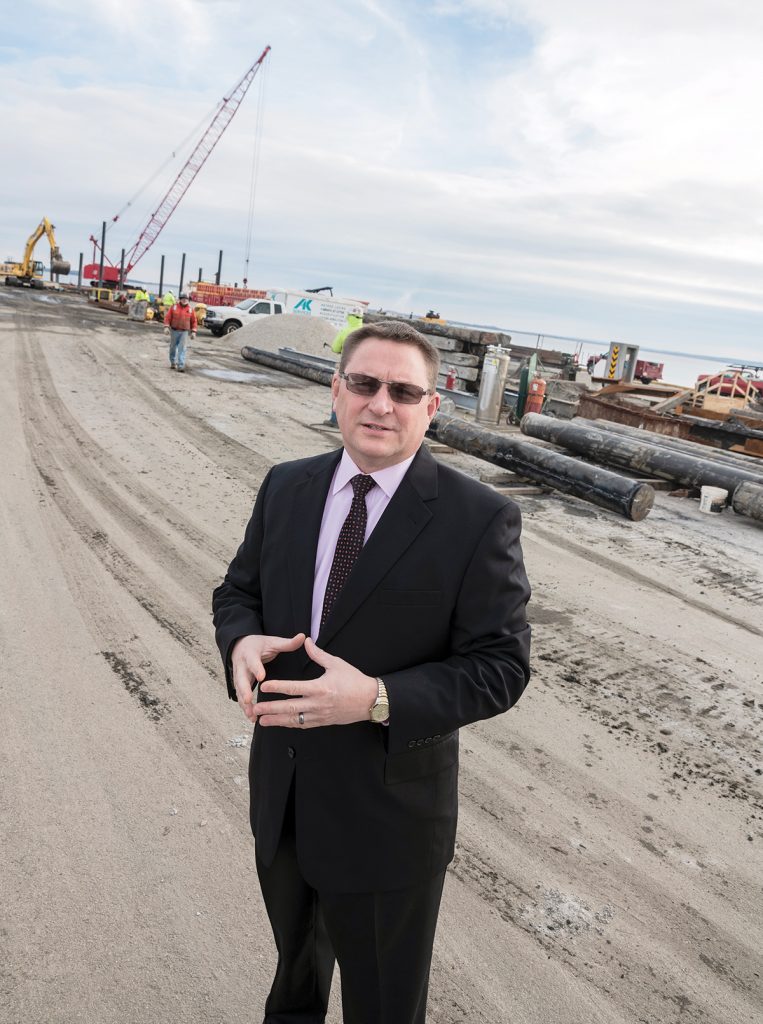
58,264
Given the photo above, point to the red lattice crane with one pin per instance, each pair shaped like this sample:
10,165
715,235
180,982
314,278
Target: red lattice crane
169,203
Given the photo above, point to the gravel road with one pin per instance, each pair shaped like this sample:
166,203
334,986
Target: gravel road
608,868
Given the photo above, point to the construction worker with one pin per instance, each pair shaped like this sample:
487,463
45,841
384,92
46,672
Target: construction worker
179,320
353,322
168,300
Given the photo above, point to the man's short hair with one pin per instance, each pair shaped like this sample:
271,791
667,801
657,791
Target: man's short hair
397,331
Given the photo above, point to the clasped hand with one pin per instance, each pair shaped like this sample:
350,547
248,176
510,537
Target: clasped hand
342,695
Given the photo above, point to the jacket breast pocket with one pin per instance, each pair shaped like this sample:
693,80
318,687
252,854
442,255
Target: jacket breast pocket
421,761
411,598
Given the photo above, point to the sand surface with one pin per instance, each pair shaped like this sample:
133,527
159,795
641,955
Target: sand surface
609,856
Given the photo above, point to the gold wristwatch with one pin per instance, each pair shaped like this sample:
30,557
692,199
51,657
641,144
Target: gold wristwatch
380,708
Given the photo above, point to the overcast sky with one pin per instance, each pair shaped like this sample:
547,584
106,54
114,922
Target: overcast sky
592,169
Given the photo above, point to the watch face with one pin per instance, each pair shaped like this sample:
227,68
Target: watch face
380,712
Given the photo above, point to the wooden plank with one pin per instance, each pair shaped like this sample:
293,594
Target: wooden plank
463,359
673,401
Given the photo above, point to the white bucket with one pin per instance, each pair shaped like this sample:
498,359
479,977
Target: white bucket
713,499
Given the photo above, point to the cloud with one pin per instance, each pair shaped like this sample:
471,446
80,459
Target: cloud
594,165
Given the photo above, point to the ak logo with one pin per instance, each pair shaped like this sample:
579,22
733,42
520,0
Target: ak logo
304,306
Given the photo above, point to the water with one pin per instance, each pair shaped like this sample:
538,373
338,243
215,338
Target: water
680,368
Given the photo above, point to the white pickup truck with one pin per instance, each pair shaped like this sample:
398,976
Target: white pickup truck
224,319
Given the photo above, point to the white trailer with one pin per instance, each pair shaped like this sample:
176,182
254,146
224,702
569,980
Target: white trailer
224,319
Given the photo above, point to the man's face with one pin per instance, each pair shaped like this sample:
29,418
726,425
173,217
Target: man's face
376,431
184,302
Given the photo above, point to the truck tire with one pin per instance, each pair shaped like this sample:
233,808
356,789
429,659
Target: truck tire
216,332
230,326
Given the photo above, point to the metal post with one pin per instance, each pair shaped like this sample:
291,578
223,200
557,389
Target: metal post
161,278
201,274
182,273
218,275
103,247
79,272
122,271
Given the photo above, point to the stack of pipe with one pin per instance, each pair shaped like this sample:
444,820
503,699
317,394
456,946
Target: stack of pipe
595,440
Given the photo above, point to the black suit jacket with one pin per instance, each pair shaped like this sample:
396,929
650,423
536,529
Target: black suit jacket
435,604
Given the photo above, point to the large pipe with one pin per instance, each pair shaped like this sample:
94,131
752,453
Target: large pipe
161,279
700,451
219,267
747,500
599,486
79,272
182,273
288,364
609,490
636,455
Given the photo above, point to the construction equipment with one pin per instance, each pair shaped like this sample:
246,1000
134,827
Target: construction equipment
104,272
29,271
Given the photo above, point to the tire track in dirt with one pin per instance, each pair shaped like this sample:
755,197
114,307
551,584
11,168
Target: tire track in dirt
608,879
629,572
226,452
62,466
58,471
110,484
63,463
666,716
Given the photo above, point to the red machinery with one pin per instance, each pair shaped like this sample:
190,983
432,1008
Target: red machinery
733,382
646,370
179,187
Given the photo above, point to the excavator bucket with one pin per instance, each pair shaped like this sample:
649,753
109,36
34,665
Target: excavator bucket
57,264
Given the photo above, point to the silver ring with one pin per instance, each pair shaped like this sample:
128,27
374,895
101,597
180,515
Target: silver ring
301,718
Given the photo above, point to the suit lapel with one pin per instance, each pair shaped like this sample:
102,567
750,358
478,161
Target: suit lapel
303,530
402,521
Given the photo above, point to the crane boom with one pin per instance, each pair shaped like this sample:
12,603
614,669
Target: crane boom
188,172
193,165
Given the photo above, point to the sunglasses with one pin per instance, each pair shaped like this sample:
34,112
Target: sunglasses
401,394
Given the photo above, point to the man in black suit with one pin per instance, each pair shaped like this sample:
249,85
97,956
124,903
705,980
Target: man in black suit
386,595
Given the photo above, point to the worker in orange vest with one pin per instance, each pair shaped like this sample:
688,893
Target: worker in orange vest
179,320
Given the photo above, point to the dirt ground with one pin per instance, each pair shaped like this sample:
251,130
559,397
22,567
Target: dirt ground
609,855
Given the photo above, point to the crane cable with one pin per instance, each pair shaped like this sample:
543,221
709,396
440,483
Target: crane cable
256,150
174,155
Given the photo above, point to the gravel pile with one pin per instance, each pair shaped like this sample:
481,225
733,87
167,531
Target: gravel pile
309,334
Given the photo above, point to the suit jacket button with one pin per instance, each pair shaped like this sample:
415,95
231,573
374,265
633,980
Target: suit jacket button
291,752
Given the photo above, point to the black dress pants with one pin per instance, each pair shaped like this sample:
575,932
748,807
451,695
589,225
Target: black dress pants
382,942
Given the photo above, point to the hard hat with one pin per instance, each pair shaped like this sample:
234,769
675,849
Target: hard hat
183,295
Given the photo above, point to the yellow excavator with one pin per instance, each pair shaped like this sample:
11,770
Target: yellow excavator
29,271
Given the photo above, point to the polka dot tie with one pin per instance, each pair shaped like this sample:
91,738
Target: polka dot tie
349,542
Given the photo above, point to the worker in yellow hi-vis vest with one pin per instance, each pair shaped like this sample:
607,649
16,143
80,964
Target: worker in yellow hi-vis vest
354,321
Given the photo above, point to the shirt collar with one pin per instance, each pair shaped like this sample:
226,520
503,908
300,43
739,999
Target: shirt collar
388,480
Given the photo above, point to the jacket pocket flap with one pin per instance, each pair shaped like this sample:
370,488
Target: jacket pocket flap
424,760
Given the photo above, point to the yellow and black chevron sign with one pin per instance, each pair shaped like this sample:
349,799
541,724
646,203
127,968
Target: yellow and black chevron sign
613,361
